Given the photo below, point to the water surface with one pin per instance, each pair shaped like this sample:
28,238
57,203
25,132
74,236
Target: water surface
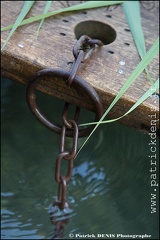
109,192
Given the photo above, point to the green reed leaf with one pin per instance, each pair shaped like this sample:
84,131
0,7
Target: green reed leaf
146,95
133,16
26,7
48,4
132,13
153,51
81,6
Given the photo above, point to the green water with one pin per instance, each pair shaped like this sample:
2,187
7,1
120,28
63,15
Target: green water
109,193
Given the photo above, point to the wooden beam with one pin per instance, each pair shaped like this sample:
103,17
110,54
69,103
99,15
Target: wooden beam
108,68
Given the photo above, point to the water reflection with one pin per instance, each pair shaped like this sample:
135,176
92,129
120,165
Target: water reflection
109,191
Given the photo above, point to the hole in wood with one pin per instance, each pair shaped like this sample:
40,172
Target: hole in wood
96,30
127,44
84,12
69,63
64,20
108,16
127,30
111,52
63,34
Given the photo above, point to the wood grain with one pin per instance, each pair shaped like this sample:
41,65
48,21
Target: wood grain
23,56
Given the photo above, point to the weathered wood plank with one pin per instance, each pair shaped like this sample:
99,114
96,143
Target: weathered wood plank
105,71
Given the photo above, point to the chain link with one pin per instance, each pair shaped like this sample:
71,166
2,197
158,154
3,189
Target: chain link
67,155
82,50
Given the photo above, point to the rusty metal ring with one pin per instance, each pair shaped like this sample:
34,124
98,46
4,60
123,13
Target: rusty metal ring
78,83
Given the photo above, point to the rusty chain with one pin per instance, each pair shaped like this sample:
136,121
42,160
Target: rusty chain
67,155
82,50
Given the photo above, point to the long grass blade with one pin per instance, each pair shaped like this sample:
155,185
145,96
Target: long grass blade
132,13
153,51
133,16
81,6
48,4
146,95
26,7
